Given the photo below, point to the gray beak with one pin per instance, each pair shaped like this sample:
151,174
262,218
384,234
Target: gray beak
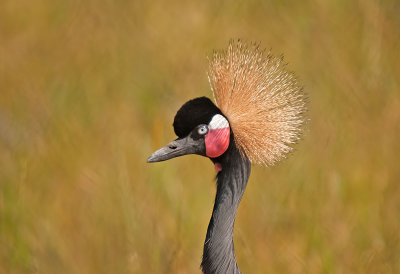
176,148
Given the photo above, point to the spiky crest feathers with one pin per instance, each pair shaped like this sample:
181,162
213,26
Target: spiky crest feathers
262,101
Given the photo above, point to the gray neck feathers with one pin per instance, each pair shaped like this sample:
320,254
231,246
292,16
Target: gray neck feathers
219,253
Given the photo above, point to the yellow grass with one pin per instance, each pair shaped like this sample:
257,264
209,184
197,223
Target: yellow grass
88,89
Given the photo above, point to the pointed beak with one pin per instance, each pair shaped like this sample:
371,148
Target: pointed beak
176,148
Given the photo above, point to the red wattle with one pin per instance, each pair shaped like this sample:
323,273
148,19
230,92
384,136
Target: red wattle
217,142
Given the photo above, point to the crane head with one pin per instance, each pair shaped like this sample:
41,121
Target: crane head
263,102
201,129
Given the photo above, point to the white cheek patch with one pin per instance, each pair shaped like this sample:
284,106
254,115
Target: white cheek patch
218,121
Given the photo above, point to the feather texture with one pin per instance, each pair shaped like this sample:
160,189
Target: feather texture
263,102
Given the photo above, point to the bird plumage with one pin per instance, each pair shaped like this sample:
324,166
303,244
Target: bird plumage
262,100
258,115
219,253
194,112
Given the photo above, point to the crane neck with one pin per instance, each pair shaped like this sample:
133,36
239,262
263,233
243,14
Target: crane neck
219,252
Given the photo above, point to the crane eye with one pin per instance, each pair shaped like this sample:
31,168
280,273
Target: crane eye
203,130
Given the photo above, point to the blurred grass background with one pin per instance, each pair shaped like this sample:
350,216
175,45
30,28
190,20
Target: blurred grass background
89,89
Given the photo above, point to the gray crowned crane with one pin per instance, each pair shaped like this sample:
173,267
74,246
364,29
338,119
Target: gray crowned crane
257,116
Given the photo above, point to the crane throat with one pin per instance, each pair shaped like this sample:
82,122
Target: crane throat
217,138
